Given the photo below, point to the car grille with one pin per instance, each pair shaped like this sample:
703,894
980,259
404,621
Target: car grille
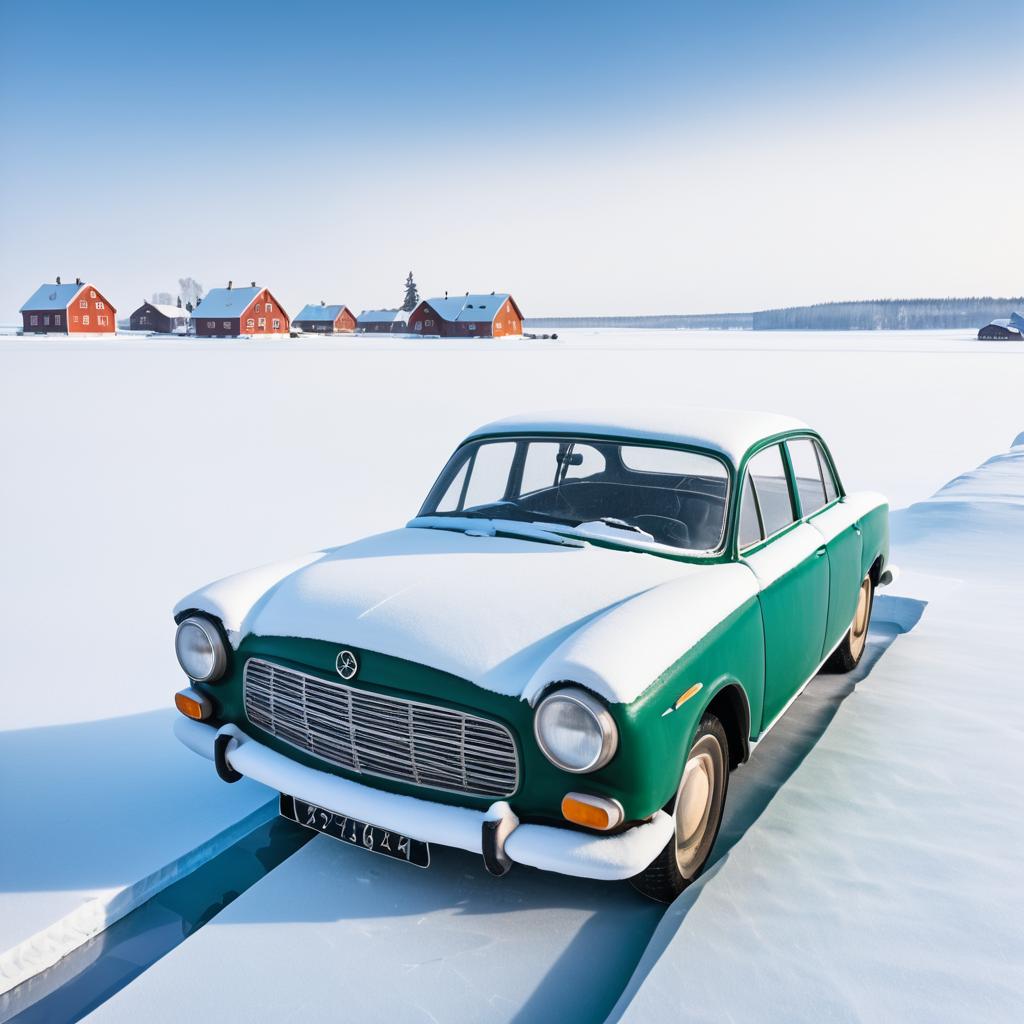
378,735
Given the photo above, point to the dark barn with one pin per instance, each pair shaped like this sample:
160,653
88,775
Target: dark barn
381,321
1011,329
153,316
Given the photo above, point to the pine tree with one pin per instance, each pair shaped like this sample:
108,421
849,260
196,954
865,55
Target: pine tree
412,295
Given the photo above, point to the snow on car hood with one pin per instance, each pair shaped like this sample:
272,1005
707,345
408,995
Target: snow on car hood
510,615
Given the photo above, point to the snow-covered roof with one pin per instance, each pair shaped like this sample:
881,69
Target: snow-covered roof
168,311
1017,320
52,296
1012,323
226,301
728,431
382,316
314,311
468,308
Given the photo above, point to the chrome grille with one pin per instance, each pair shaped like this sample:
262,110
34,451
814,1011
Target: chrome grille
378,735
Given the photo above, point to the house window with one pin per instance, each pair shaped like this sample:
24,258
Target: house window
277,325
428,323
418,327
211,323
227,325
57,319
270,308
256,308
75,318
99,305
82,304
250,324
46,321
497,325
472,327
33,321
85,321
92,295
263,323
102,321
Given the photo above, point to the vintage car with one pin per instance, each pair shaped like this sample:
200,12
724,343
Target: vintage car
590,623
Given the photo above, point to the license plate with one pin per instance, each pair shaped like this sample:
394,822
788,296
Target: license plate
355,832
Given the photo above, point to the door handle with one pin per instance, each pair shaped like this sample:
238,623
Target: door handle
820,551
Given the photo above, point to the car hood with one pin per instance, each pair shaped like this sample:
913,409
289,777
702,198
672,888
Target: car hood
510,615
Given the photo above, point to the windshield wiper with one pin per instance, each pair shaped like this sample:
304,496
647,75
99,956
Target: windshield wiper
621,524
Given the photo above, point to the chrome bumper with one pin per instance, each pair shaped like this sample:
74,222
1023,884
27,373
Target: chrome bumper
547,847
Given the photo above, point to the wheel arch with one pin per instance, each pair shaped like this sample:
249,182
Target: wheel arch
730,706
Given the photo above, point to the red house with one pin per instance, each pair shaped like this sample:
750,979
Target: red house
468,316
324,319
239,312
68,309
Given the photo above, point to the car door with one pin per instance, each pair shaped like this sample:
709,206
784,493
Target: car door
823,508
788,557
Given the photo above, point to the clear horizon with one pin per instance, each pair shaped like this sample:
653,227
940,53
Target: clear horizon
593,161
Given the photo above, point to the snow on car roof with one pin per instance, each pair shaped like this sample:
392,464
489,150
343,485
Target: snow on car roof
226,301
314,311
469,307
52,296
728,431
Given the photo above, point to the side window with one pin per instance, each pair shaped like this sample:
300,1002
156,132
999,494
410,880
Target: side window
831,490
490,473
750,521
807,475
768,472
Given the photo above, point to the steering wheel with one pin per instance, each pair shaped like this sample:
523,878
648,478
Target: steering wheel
665,529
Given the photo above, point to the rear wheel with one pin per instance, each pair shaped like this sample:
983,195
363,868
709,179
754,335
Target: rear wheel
697,811
847,655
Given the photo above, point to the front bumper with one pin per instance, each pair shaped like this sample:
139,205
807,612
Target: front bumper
547,847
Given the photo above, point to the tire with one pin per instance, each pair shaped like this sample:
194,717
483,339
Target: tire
846,657
697,810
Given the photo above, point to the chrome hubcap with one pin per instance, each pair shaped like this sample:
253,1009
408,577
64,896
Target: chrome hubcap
696,802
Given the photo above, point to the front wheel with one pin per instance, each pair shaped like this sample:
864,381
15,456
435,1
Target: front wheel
847,655
698,815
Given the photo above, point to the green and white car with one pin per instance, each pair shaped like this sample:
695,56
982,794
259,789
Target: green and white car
558,662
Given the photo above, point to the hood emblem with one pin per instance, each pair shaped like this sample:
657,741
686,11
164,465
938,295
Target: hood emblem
347,665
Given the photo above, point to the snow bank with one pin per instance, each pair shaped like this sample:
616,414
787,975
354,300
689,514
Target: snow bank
882,882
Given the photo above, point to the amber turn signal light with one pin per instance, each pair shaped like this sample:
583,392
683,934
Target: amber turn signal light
193,704
592,811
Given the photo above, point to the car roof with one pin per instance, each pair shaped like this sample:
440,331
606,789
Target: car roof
730,432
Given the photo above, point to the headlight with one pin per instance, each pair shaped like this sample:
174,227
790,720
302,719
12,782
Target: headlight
575,731
200,650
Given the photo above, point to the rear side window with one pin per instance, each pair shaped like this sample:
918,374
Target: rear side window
807,475
750,521
768,473
831,490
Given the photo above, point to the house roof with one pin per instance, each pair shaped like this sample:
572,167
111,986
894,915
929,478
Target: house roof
1012,323
314,311
168,311
52,296
469,308
382,316
728,431
230,302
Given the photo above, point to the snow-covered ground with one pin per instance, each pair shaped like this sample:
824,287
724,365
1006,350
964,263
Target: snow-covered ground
136,469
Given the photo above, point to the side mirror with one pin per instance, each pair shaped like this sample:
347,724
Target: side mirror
575,459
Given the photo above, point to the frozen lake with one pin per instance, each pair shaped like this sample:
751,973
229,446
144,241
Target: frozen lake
137,469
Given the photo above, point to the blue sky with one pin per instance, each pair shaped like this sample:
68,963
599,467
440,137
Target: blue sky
589,157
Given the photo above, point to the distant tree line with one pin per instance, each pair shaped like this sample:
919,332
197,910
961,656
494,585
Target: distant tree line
887,314
872,315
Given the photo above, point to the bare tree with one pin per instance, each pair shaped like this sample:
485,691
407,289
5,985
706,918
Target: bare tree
190,290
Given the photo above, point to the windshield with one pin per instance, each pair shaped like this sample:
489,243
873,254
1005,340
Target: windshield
676,497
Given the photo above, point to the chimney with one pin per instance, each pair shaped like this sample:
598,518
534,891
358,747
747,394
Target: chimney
58,279
322,303
492,293
252,284
179,302
78,280
446,294
230,283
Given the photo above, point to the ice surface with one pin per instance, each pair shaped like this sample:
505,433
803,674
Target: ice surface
883,882
136,470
